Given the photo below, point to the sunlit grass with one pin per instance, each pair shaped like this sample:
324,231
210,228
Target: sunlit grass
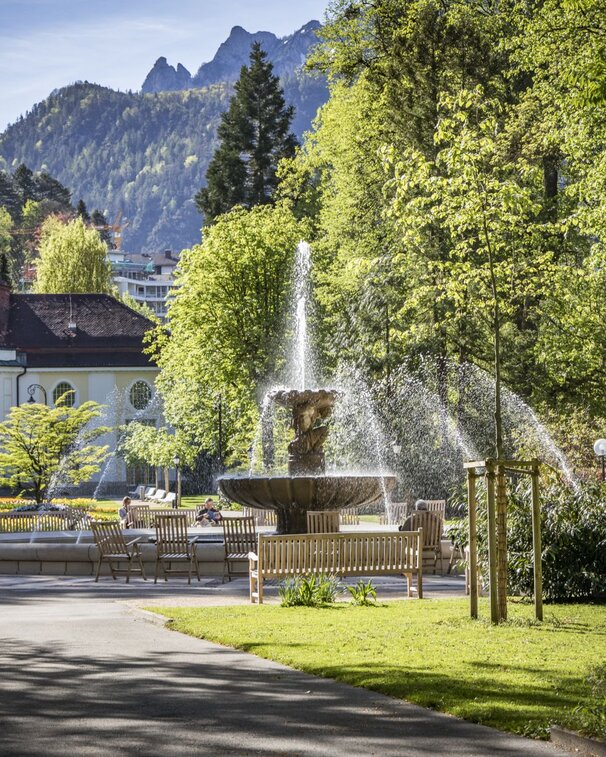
521,676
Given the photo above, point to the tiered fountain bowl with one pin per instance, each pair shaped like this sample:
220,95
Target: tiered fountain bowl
307,486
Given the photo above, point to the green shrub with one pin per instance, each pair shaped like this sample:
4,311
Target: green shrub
591,714
308,591
363,594
573,531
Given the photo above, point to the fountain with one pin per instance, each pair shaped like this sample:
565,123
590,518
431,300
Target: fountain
307,486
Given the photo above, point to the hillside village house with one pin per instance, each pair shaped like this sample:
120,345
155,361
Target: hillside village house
89,343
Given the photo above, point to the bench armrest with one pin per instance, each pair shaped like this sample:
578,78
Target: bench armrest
253,557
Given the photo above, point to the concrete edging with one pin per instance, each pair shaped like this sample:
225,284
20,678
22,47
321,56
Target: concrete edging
575,743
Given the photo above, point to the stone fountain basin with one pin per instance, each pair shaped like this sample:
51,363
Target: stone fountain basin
322,492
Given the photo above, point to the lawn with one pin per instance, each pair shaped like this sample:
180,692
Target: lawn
520,677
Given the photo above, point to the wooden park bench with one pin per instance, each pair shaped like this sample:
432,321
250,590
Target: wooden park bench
25,522
349,554
144,516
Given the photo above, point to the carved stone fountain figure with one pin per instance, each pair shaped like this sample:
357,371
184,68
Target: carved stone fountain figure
309,408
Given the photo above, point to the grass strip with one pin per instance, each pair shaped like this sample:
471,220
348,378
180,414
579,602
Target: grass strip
520,677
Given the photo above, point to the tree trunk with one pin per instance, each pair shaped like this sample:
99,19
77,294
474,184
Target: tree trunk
166,481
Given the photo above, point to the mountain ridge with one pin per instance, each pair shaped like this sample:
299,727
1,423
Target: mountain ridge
145,154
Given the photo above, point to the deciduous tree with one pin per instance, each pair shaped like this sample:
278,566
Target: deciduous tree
40,443
72,259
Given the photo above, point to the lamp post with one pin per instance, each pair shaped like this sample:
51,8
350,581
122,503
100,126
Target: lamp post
31,390
396,448
600,449
177,462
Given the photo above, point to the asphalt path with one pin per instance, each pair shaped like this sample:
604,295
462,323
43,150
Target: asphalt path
84,671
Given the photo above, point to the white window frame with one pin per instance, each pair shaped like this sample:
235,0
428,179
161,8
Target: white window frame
73,388
151,398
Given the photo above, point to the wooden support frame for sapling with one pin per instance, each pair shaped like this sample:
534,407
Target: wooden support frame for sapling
495,472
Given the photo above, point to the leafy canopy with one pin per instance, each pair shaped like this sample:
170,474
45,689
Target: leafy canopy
72,259
41,444
226,322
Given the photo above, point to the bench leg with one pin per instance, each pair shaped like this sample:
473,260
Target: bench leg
260,587
253,587
420,584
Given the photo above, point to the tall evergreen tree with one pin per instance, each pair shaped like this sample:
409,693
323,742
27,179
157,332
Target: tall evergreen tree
82,211
9,196
48,188
255,135
24,183
99,221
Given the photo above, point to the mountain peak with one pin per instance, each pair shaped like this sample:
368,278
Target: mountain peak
163,77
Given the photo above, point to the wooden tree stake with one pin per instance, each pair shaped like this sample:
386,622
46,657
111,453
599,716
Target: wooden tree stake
492,542
536,543
473,543
502,542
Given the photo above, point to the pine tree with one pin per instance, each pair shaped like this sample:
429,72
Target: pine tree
23,181
99,221
9,196
82,211
255,135
48,188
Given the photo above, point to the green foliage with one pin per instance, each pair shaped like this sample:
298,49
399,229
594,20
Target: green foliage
363,593
590,716
227,318
573,535
141,443
39,444
72,259
255,136
309,591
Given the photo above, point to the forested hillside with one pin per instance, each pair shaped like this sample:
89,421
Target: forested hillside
143,154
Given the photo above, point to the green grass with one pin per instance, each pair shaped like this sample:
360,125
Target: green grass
521,676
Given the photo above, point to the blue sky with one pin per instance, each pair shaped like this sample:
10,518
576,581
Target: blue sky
46,44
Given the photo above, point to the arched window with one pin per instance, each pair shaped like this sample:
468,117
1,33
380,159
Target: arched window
62,387
140,395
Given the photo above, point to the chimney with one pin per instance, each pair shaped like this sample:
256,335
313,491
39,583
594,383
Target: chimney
5,306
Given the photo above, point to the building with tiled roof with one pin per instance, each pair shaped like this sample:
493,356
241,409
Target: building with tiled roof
89,344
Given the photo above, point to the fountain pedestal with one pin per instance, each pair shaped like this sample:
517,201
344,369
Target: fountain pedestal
307,487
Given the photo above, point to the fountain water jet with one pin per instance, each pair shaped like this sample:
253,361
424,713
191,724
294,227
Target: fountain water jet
307,485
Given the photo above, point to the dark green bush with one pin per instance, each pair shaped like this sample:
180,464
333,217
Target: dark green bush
573,528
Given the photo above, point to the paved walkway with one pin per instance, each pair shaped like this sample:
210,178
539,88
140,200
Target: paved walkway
84,672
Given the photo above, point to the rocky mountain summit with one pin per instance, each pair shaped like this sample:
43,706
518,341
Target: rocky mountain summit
286,53
166,78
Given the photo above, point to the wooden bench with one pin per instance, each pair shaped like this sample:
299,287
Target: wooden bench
361,554
49,521
262,517
144,516
349,516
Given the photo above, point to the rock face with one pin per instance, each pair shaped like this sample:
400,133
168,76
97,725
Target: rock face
166,78
286,53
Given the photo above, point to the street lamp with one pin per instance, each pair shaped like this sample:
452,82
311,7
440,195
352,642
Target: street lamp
177,462
397,448
600,449
31,390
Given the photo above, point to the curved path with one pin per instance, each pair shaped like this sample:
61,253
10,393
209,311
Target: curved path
84,672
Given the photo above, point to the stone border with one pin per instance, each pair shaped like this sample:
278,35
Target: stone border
577,744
